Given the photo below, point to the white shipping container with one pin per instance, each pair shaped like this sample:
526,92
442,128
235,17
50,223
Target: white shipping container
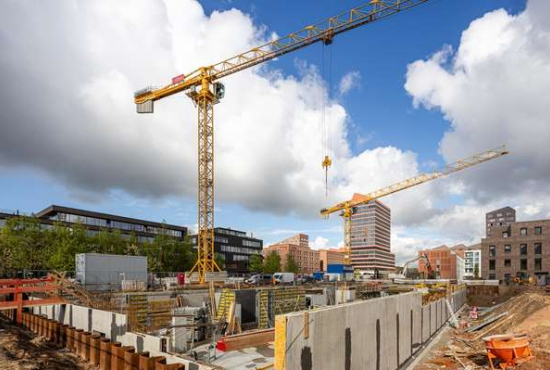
105,271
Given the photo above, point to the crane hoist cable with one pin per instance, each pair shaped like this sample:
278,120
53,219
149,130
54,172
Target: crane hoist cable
326,103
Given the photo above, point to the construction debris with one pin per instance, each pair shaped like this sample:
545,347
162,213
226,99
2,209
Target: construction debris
527,314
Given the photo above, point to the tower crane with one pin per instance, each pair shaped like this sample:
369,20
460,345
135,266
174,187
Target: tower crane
347,208
203,87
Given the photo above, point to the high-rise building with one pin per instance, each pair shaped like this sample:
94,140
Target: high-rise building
296,246
370,237
501,217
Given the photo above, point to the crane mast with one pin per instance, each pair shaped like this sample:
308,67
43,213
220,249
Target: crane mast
346,208
202,87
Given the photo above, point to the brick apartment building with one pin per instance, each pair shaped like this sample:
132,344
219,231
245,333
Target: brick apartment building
447,262
519,247
330,257
298,247
501,217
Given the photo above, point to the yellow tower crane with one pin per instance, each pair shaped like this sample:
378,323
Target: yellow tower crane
347,208
203,88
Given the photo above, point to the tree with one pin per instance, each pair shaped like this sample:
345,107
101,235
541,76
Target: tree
24,244
256,263
272,263
291,265
65,243
476,272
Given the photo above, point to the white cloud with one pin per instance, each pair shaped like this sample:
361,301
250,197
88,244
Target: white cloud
86,134
349,81
495,89
319,243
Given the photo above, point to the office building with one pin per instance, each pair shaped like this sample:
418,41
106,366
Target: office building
296,246
144,231
446,262
501,217
518,248
235,247
370,238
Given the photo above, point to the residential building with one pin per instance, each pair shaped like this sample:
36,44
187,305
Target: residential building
521,247
448,263
235,247
472,262
144,231
330,257
296,246
370,238
501,217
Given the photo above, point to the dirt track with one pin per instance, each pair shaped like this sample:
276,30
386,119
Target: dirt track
22,350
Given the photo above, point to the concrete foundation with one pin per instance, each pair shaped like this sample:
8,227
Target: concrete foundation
112,326
377,334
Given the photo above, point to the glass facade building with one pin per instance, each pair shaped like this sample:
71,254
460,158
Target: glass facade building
235,247
145,231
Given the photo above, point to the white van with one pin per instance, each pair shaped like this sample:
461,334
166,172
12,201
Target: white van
283,277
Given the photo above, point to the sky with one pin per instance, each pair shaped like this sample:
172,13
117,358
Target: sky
401,96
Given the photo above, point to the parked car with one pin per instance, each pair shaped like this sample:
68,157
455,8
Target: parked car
259,279
283,277
306,280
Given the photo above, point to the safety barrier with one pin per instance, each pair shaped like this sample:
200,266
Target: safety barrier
93,348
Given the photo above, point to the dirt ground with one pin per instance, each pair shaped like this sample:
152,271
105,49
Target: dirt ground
23,350
527,311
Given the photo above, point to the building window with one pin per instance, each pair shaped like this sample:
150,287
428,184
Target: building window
523,265
492,251
507,277
492,276
523,249
523,231
507,263
538,264
505,234
492,265
538,248
507,248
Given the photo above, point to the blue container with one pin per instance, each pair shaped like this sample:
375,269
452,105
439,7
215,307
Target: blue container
339,269
319,275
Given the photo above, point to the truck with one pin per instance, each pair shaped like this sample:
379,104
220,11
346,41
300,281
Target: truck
283,277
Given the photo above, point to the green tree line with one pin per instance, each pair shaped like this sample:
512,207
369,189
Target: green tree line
26,245
272,264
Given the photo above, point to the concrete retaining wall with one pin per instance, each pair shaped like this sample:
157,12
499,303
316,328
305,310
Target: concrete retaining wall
111,325
378,334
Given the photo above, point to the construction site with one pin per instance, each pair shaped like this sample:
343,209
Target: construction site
127,317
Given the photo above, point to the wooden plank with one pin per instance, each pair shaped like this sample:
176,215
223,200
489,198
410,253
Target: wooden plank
247,339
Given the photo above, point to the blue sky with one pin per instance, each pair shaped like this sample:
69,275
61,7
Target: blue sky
380,113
